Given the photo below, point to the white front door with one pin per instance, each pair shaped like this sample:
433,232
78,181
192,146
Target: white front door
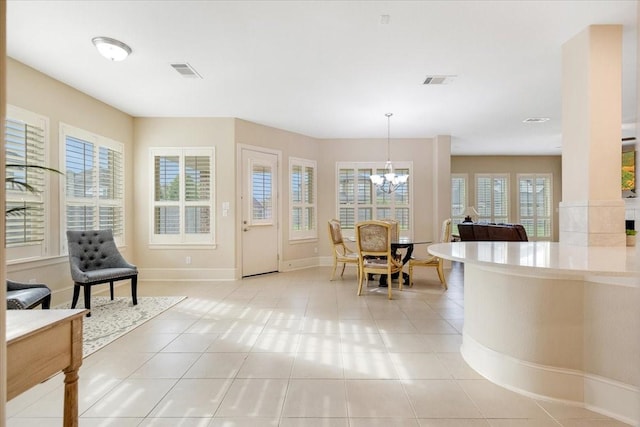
259,212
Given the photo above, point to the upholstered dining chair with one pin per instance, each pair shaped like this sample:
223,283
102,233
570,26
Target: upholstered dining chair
433,261
374,252
341,253
21,296
395,233
95,259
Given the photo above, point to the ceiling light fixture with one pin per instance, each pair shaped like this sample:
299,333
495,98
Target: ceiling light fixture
389,181
111,49
536,120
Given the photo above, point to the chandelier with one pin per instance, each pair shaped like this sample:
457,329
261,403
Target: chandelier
389,181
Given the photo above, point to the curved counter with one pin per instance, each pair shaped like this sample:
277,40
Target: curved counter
554,321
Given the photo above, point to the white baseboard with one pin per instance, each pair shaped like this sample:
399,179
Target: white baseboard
612,398
299,264
186,274
608,397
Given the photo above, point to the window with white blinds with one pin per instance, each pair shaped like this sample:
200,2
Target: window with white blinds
359,200
182,199
261,193
534,205
459,199
492,197
94,183
26,134
302,220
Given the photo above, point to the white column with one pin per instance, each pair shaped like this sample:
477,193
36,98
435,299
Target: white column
441,157
592,211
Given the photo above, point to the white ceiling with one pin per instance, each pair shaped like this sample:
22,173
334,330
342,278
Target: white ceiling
330,69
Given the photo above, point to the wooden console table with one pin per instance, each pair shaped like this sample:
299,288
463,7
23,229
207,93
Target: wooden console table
40,343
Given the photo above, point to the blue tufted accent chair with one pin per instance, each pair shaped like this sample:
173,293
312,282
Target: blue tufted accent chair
95,259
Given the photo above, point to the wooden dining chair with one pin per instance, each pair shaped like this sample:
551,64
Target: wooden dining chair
374,252
433,261
341,253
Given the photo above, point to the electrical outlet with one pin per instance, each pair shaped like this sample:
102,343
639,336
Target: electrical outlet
315,250
187,260
32,281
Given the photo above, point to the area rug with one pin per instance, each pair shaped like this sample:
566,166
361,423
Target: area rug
111,319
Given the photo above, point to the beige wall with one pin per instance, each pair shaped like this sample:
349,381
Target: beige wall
40,94
512,165
430,180
426,178
162,263
294,253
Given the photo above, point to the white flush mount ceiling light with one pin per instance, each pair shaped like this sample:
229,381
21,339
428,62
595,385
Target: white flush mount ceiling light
536,120
111,49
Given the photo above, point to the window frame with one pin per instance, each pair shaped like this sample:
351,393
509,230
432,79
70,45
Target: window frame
309,228
26,251
98,141
405,228
532,234
182,238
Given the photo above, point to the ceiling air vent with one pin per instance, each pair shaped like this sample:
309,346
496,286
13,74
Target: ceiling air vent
438,80
186,70
536,120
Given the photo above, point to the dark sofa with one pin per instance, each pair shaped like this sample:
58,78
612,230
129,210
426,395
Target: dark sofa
470,232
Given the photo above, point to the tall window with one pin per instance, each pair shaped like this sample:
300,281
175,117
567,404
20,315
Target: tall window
359,200
303,222
94,182
182,199
492,197
534,205
26,134
459,200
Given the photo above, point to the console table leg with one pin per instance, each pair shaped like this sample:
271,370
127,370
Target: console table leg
70,398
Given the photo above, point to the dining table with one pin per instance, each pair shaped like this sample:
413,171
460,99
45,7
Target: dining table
407,244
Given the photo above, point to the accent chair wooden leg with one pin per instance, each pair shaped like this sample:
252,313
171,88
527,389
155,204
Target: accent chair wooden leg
46,302
111,289
87,299
344,265
76,295
134,289
335,266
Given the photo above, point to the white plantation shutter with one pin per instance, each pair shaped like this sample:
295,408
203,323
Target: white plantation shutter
197,194
346,198
303,222
183,196
79,175
25,145
458,199
94,183
358,199
534,205
492,197
261,194
110,190
167,194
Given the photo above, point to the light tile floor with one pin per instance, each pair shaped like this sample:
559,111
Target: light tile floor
294,350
